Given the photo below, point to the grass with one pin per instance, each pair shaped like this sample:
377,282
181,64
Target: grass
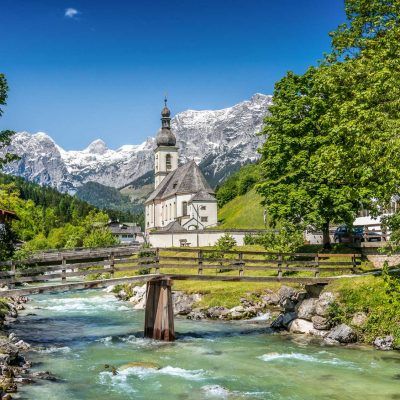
243,212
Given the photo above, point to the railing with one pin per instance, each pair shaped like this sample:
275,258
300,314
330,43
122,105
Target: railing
174,261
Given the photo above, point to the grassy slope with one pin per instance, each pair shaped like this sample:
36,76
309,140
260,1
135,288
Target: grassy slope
243,212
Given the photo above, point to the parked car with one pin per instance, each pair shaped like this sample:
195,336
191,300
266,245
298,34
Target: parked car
344,234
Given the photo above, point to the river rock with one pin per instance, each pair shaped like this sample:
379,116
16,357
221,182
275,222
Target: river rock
306,309
323,303
183,303
6,347
359,319
321,323
342,334
270,298
196,314
217,312
138,298
22,345
45,375
301,326
384,343
283,320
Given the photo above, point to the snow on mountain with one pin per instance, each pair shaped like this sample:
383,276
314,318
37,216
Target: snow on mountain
219,140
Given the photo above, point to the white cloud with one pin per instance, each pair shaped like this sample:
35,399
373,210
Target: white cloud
71,12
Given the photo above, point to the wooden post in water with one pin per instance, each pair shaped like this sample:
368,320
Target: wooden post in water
159,316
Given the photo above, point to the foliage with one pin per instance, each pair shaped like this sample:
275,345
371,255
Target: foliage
286,240
377,297
7,240
238,184
5,136
332,143
225,243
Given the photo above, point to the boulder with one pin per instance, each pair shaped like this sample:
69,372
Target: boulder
342,334
306,309
283,320
22,345
138,298
286,293
288,305
321,323
359,319
323,304
384,343
299,325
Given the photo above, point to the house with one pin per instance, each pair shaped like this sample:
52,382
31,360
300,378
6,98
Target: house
126,233
7,216
181,197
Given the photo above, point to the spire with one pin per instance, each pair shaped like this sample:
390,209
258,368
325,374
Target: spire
165,137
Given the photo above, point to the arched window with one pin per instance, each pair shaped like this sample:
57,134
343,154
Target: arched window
184,208
168,161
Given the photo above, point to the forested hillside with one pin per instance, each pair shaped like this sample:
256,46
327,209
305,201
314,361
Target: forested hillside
48,219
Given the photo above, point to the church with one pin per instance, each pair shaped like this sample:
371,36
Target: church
182,199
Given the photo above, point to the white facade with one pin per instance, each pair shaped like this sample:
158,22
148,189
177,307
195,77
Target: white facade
165,161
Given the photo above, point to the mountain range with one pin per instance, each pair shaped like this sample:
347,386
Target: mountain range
220,141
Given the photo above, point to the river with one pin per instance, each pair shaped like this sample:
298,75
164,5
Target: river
82,335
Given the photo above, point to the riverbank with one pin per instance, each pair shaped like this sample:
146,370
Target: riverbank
14,368
350,310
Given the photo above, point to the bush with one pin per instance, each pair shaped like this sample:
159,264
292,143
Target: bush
225,243
287,240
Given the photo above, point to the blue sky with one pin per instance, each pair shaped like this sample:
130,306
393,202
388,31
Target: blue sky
86,69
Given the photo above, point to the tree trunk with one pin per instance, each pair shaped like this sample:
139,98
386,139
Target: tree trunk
326,239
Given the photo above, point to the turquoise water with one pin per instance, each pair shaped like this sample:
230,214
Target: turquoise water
80,332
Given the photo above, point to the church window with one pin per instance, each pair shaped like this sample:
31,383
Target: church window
168,161
184,208
203,207
204,219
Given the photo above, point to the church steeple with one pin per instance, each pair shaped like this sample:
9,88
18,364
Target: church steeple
166,153
166,137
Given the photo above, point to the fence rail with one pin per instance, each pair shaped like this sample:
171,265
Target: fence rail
105,263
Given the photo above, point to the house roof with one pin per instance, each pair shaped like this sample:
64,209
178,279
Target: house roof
186,179
173,226
202,195
7,214
116,228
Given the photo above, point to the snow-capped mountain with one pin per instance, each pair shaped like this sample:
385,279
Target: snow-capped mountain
219,140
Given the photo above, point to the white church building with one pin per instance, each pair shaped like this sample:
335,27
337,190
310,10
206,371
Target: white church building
182,199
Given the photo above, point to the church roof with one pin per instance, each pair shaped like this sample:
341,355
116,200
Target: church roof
187,179
202,195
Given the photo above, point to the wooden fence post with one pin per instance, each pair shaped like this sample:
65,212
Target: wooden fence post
64,269
200,262
112,264
157,261
354,264
280,259
241,263
316,274
12,277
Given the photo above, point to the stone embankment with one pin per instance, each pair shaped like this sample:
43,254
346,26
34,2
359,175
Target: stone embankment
14,368
287,310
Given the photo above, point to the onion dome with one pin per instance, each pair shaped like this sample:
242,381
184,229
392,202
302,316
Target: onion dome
165,136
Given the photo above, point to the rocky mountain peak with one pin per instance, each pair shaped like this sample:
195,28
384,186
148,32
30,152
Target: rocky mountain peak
220,141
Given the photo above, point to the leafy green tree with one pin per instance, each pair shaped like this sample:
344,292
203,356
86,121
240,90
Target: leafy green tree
332,143
5,136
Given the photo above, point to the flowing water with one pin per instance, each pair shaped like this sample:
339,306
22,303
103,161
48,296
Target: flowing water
82,336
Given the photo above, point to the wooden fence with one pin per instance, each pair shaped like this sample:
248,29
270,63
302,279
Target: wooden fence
105,263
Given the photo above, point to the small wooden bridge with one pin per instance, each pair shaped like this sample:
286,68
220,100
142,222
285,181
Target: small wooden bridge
97,268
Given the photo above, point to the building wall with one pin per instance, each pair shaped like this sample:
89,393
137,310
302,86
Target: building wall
197,238
201,210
